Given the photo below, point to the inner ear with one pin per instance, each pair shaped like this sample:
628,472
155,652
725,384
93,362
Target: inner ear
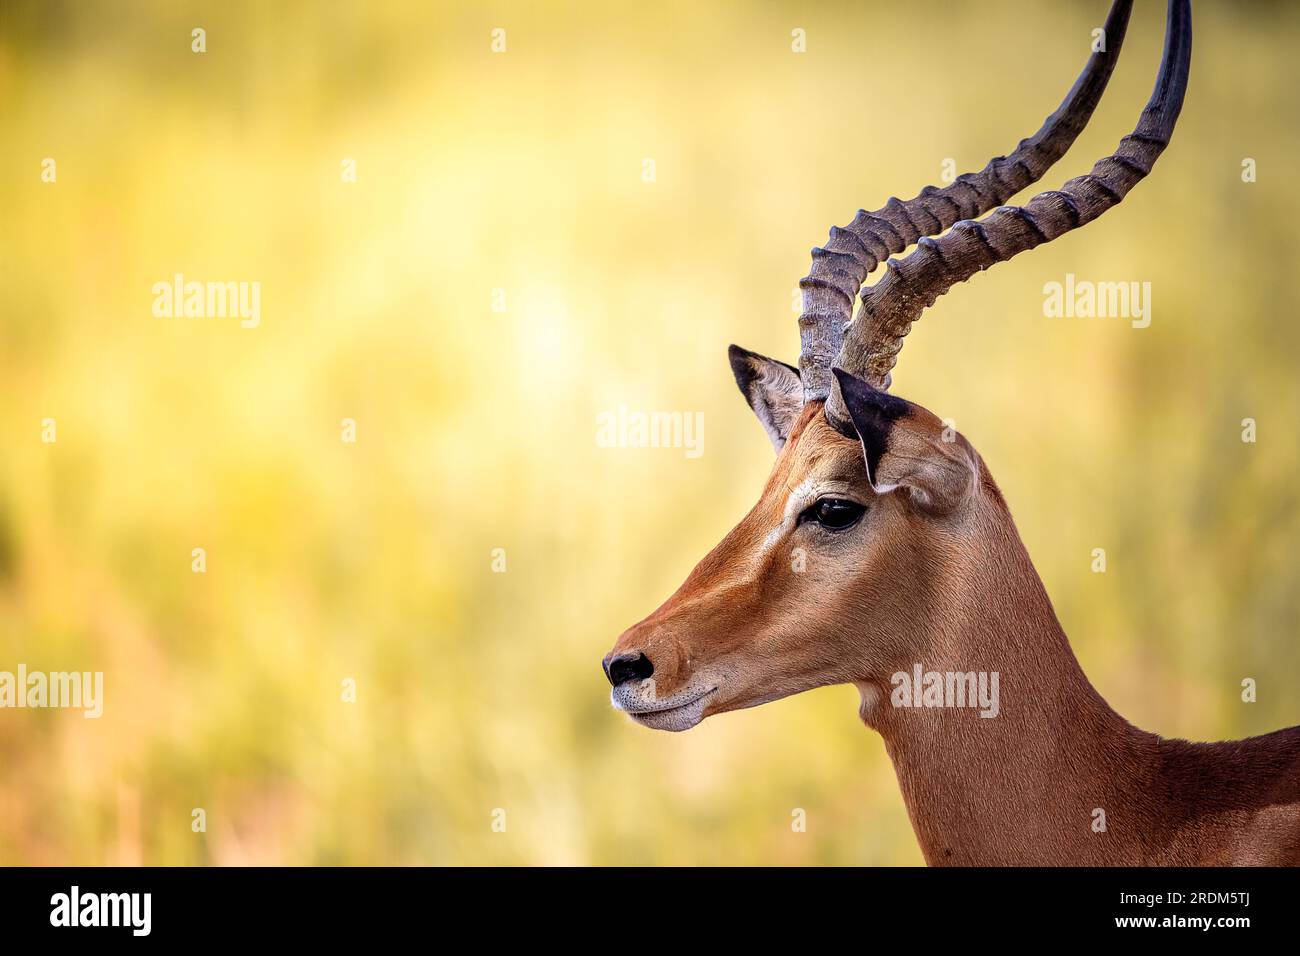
873,413
907,447
773,390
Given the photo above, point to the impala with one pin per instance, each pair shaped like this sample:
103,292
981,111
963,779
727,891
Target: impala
881,545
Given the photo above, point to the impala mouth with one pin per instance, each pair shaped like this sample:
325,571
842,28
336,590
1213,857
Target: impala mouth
678,713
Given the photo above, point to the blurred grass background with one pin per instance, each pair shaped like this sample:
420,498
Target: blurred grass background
522,171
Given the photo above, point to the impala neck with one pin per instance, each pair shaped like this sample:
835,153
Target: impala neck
1024,786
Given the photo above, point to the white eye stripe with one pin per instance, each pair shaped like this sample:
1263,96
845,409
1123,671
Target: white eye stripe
802,497
799,498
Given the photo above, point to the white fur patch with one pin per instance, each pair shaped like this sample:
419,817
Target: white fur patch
801,497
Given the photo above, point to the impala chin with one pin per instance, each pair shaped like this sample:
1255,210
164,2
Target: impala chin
681,711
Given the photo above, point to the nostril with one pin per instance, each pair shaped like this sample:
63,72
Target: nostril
628,667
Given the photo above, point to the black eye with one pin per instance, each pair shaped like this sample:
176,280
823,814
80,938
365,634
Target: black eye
833,513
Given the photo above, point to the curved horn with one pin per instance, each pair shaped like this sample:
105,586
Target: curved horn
841,267
909,287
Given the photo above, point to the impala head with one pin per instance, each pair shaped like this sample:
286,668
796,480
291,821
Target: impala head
843,532
874,509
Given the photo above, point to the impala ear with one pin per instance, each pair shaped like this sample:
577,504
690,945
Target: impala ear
908,447
773,390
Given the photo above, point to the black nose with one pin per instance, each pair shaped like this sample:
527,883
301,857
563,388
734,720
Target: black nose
628,667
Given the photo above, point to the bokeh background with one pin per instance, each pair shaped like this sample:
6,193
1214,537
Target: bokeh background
522,172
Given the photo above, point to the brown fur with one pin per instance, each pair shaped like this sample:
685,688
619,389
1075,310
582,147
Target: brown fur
952,588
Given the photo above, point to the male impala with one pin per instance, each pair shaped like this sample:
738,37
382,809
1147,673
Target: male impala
882,545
